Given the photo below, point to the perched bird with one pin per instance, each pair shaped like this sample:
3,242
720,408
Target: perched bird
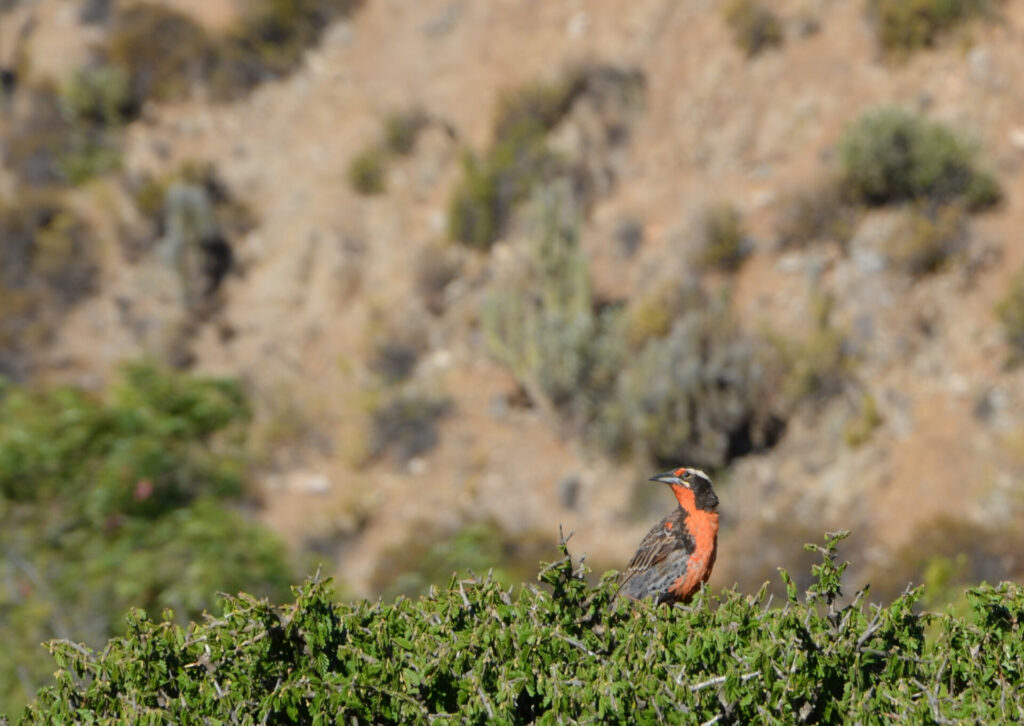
676,556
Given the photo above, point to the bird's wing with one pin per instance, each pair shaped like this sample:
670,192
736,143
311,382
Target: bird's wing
666,547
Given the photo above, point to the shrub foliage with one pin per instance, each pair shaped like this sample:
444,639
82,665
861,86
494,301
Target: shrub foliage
902,26
118,502
893,155
671,376
482,653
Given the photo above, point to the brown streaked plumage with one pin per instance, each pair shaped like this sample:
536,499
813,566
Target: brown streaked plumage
677,555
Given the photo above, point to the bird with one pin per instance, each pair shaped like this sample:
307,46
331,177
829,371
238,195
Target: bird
676,557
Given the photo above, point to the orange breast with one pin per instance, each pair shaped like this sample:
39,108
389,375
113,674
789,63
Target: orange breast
703,526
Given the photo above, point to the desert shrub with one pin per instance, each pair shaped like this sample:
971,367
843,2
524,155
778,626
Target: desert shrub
270,40
754,26
902,26
723,239
518,160
394,360
671,376
1010,312
164,52
67,135
547,332
404,424
479,652
701,394
823,212
892,155
401,129
928,239
367,171
116,501
48,264
195,219
651,315
98,95
862,425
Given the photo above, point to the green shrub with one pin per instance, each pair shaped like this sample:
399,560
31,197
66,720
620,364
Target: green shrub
518,160
367,172
902,26
270,40
477,652
1010,312
164,52
401,130
754,27
701,394
818,365
117,501
892,155
48,264
723,238
67,136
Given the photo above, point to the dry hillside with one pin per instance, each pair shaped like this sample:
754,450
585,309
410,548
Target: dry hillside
387,419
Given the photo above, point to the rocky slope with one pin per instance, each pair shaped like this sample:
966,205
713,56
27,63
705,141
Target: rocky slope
325,275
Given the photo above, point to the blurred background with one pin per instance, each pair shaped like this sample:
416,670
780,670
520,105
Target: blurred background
398,288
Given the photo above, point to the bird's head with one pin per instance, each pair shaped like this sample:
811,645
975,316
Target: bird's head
690,485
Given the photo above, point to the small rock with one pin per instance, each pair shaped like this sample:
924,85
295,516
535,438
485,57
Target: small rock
569,491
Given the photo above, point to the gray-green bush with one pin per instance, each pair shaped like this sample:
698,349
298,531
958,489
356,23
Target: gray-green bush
893,155
677,379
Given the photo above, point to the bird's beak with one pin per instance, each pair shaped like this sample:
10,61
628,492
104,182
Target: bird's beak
669,477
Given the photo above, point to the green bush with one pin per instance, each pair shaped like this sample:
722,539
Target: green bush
48,264
270,40
401,130
902,26
892,155
518,160
477,652
164,52
68,135
723,238
367,171
754,27
115,502
1010,312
